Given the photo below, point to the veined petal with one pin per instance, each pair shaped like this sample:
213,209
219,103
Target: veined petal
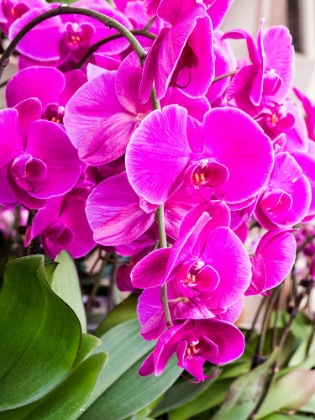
237,142
123,228
150,271
158,153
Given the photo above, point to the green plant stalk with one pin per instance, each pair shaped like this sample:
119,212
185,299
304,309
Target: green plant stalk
104,41
68,10
163,244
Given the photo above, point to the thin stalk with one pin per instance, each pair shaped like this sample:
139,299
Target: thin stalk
95,287
277,312
111,289
163,244
310,340
250,332
266,321
104,41
224,75
68,10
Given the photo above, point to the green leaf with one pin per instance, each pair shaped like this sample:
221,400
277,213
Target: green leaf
213,396
131,393
67,401
235,369
40,334
245,393
50,268
89,343
126,351
125,311
65,284
291,392
180,394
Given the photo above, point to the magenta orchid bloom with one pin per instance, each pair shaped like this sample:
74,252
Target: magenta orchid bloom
272,262
62,225
67,36
181,55
194,342
287,198
201,282
309,109
269,76
32,82
11,10
37,160
228,154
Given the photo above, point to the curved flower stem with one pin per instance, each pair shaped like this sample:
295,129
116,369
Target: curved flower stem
163,244
104,41
68,10
224,75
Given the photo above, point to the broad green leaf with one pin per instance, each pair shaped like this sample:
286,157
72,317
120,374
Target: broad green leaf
125,347
67,401
291,392
213,396
245,393
126,351
182,393
125,311
40,334
299,356
235,369
89,343
131,393
65,284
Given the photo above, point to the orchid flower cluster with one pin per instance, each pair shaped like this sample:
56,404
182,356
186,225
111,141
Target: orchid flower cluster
166,158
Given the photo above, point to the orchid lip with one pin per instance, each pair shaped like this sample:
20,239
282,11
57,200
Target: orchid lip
28,171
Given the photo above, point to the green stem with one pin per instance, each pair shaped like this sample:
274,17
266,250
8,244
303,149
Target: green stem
250,332
95,287
224,75
163,244
265,322
104,41
68,10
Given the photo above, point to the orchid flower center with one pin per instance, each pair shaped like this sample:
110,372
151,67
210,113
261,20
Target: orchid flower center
54,113
28,172
13,9
78,35
272,82
192,350
209,174
279,118
59,232
275,200
194,270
